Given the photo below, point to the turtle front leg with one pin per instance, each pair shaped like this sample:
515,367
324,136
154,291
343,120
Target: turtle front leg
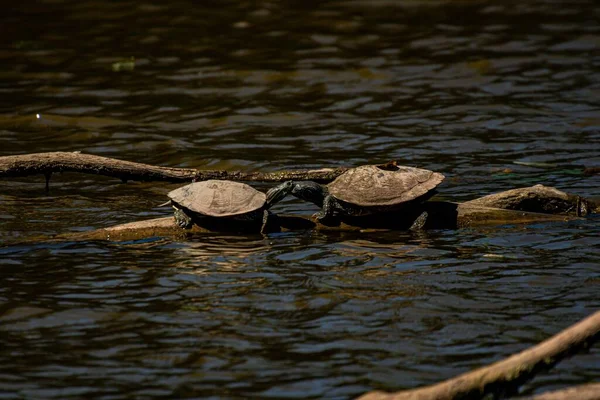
310,191
269,223
327,212
419,222
183,220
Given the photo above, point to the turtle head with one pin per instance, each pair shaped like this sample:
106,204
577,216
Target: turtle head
278,193
310,191
304,190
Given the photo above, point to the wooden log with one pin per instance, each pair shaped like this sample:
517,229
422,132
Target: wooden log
442,215
539,198
48,163
505,376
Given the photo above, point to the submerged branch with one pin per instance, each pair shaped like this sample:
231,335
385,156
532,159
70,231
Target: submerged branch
47,163
590,391
505,376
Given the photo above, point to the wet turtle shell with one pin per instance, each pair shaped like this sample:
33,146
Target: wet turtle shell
218,198
374,186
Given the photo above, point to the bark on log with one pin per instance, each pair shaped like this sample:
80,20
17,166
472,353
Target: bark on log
590,391
47,163
505,376
538,198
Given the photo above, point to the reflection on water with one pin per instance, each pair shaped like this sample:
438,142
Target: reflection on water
466,88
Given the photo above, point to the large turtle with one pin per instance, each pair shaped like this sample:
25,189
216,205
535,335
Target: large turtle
367,189
223,199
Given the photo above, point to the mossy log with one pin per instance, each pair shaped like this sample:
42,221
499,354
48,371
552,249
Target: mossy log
504,377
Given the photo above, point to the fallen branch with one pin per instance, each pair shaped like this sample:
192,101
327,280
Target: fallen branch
48,163
534,199
504,377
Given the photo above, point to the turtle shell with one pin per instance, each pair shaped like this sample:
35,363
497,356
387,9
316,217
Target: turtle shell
218,198
371,185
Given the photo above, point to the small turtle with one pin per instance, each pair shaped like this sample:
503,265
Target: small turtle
367,190
223,199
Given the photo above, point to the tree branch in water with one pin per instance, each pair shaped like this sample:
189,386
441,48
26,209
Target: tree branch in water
47,163
504,377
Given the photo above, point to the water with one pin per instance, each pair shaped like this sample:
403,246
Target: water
466,88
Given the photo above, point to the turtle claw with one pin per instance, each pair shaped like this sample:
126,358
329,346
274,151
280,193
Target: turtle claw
325,219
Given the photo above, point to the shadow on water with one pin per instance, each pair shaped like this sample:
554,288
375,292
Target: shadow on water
481,91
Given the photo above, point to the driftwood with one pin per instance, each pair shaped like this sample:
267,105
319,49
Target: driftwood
504,377
48,163
590,391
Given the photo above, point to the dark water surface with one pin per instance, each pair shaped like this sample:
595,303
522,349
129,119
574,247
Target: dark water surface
464,87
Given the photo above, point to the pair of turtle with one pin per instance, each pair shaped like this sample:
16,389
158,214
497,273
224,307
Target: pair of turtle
359,191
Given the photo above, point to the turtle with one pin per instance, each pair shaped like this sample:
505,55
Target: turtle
368,189
223,199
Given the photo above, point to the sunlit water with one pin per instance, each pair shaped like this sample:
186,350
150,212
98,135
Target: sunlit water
466,88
